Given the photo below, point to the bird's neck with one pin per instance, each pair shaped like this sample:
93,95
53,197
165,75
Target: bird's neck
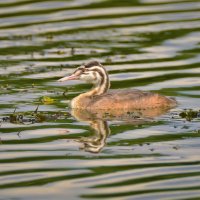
99,88
83,100
96,90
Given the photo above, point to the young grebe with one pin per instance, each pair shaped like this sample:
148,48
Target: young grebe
100,98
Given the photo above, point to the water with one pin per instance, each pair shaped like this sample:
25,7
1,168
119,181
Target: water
146,44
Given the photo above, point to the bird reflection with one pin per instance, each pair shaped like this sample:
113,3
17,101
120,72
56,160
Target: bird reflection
97,141
98,121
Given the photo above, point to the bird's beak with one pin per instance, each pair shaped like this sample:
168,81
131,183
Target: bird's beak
67,78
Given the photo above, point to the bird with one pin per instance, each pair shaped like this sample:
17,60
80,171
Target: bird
101,98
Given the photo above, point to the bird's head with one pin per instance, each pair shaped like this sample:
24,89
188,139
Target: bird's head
92,72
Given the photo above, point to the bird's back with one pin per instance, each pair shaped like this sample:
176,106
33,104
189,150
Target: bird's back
130,99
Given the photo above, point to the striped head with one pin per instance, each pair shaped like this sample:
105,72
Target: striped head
92,72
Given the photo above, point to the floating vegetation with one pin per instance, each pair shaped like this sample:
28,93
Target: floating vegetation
108,60
186,114
61,52
47,100
190,114
34,117
49,37
6,87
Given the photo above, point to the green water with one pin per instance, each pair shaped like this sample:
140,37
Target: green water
45,152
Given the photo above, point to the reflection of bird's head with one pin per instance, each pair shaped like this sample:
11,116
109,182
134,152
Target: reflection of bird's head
92,72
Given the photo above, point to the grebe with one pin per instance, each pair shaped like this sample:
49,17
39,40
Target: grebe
99,98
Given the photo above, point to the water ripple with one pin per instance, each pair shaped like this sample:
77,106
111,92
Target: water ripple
145,44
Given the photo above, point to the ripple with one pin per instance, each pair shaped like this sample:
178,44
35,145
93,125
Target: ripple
145,44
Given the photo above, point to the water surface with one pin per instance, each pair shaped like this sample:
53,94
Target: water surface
145,44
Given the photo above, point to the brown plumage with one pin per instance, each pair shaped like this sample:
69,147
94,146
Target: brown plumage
100,98
126,99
